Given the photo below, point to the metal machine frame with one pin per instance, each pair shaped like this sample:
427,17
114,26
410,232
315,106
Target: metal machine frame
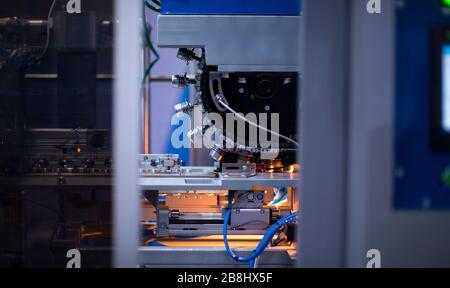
194,256
246,55
197,31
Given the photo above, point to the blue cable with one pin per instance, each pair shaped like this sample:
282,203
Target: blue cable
265,241
252,263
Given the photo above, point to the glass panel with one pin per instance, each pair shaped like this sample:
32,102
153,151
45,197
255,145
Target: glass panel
55,132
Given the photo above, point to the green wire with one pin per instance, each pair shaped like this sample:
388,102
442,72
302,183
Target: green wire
149,69
152,48
149,41
157,2
157,10
149,44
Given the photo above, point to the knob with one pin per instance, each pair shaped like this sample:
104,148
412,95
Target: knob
65,163
187,55
181,81
217,154
184,108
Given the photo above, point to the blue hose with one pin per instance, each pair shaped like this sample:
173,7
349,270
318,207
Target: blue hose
265,241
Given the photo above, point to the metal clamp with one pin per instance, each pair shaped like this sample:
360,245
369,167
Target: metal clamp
243,170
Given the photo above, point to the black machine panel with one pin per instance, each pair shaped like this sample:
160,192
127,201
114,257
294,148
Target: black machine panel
259,92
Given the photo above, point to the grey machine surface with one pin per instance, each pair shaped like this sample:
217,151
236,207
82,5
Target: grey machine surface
234,42
348,130
188,231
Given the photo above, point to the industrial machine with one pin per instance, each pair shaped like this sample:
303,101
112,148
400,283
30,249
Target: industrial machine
196,207
245,60
242,57
238,209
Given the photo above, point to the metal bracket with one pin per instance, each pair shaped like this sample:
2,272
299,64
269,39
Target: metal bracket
239,170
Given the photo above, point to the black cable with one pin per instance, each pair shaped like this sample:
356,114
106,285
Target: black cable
157,2
157,10
280,237
56,227
47,42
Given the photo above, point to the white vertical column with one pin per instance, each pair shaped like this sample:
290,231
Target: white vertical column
323,123
127,70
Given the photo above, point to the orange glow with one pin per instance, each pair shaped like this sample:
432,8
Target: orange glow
236,241
293,168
